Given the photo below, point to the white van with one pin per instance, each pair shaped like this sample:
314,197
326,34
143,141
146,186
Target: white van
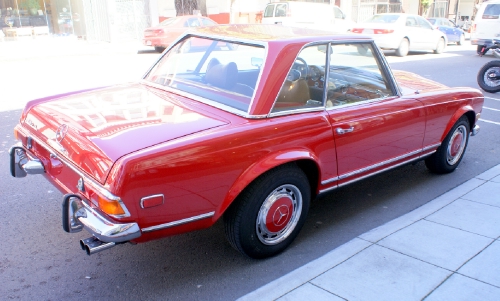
486,25
322,16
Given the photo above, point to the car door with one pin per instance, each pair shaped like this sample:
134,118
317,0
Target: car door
373,127
428,35
414,33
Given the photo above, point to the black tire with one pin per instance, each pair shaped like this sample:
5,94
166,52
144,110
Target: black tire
440,46
483,79
268,215
450,153
404,48
159,49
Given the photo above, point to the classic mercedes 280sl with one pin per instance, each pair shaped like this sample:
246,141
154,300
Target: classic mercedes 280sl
248,126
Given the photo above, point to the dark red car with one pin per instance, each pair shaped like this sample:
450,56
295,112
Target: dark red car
249,134
165,33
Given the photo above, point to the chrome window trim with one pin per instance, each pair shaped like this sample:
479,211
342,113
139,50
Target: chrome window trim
378,56
376,172
347,105
179,222
152,196
296,111
89,181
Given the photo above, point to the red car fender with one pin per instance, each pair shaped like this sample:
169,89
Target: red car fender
458,114
259,168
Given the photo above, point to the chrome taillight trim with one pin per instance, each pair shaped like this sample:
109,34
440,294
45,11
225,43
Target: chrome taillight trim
179,222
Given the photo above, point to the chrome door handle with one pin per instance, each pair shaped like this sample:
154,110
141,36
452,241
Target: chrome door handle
341,131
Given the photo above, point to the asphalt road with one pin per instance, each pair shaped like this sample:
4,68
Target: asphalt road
38,260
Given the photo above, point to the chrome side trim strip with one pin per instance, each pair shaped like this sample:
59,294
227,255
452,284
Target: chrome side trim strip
365,169
329,180
179,222
377,172
431,147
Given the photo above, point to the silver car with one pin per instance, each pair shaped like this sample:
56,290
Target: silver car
403,33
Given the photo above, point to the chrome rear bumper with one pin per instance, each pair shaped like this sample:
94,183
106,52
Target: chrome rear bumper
21,164
77,215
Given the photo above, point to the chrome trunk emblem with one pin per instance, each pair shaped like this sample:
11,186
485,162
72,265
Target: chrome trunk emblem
61,132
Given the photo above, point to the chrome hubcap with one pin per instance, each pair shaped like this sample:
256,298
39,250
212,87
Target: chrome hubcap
491,73
456,146
279,214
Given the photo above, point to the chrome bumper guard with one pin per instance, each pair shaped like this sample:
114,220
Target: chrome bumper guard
475,130
21,164
76,215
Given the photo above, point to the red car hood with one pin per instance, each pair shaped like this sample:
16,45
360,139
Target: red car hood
411,82
94,129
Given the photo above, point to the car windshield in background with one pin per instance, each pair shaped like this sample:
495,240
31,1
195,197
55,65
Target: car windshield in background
222,72
383,19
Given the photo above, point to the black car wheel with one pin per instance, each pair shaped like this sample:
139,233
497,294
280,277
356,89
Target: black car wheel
268,215
450,153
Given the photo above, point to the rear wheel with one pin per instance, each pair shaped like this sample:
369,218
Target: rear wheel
268,215
487,77
450,153
403,48
440,46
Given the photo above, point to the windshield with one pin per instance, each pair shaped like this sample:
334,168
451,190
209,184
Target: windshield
383,19
222,72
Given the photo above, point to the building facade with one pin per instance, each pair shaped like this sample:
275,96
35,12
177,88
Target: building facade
118,20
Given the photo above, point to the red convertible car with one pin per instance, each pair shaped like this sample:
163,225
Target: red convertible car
250,134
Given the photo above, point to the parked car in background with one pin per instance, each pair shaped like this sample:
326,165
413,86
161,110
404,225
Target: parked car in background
163,34
485,29
322,16
249,134
402,33
453,32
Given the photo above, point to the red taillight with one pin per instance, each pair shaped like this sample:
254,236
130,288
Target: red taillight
157,31
472,28
357,30
383,31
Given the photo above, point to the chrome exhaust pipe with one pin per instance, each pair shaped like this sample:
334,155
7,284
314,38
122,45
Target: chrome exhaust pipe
93,245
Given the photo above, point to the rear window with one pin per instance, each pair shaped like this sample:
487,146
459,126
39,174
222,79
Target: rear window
170,21
492,11
219,71
269,11
383,19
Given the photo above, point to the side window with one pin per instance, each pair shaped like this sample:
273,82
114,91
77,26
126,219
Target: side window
207,22
269,11
411,22
193,22
281,10
423,23
305,83
338,13
492,11
355,75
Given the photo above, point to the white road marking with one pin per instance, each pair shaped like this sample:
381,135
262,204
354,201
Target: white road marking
491,109
489,121
497,99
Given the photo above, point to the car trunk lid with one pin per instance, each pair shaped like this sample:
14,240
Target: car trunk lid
94,129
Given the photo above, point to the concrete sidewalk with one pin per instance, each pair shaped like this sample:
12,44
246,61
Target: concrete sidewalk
448,249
